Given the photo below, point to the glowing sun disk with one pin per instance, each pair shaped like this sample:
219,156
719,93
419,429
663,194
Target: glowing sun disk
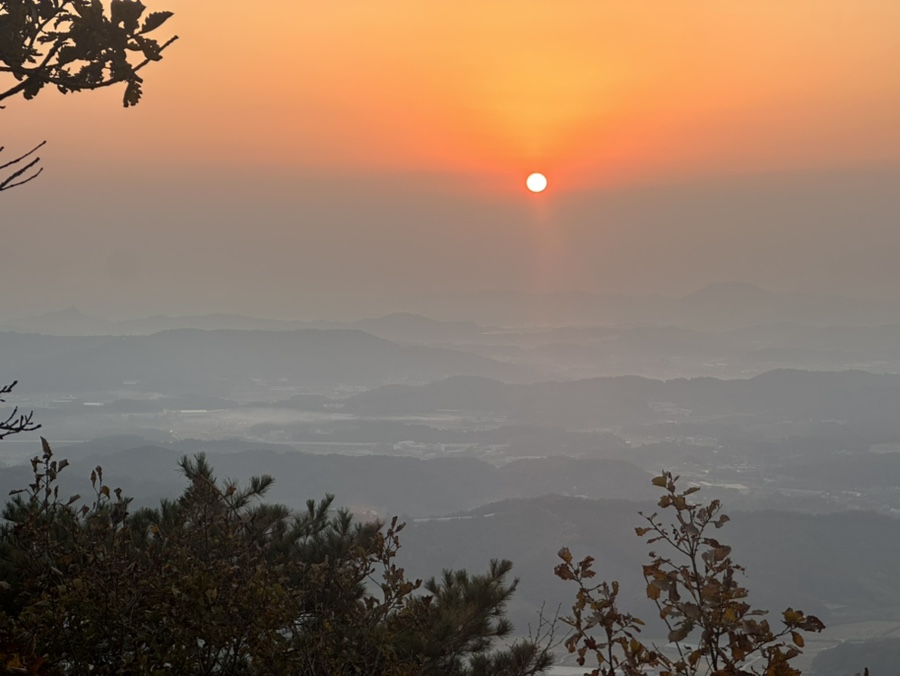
536,182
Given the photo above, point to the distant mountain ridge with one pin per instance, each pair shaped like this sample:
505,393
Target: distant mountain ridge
441,316
386,485
718,306
398,326
575,351
214,361
623,400
812,561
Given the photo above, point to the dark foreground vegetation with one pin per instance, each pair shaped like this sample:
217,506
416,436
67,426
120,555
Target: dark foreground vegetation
218,582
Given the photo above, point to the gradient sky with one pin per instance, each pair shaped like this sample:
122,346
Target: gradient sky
304,159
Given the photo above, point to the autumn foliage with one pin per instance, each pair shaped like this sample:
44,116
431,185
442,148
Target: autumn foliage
695,585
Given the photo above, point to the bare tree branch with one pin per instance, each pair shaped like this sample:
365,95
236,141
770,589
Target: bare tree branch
21,175
15,422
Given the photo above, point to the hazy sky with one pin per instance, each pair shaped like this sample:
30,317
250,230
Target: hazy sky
289,157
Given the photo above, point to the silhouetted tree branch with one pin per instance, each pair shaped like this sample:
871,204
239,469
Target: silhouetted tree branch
77,45
73,45
23,174
15,422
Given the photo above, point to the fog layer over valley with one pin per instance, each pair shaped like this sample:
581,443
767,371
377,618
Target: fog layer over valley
513,439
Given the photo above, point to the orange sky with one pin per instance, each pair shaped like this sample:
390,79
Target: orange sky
590,92
383,145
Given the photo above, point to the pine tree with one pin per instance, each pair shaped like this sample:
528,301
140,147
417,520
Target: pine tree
220,582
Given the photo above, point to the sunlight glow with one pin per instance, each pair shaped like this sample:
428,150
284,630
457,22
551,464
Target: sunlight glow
536,182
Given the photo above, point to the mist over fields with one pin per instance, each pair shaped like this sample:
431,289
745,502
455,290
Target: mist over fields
516,436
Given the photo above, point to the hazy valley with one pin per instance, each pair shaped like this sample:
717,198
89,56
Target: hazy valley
507,441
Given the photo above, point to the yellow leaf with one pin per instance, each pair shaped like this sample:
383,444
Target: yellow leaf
792,616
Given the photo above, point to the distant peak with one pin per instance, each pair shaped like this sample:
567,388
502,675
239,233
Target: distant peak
400,317
730,289
70,312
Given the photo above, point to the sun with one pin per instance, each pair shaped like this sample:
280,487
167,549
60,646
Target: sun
536,182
